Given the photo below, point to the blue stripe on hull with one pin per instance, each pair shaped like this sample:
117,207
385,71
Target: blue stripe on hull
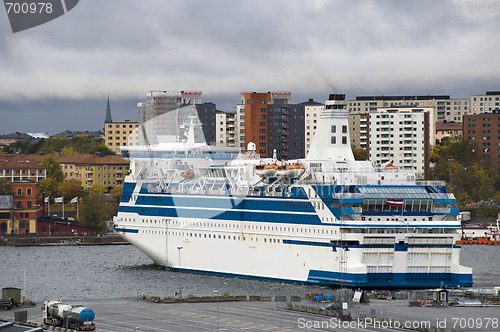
390,280
369,281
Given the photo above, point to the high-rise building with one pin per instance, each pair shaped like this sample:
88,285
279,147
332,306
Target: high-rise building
271,122
402,137
256,117
484,129
488,102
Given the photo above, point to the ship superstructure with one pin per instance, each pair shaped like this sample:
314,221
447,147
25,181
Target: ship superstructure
325,219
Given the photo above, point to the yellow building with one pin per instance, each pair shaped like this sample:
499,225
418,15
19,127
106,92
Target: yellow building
108,171
118,134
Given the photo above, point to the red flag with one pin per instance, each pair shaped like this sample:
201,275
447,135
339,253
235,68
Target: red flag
394,202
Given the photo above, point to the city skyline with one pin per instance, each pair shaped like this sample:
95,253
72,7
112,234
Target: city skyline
57,76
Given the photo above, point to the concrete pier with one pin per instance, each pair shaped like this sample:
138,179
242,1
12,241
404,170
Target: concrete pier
136,314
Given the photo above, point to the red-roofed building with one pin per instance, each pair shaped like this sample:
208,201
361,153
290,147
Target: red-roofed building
448,129
21,167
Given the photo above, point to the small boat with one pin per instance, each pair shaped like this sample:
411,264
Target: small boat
268,170
491,237
290,171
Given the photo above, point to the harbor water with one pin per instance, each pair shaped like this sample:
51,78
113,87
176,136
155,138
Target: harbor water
96,272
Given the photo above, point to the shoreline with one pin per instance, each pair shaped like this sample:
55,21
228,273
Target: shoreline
24,241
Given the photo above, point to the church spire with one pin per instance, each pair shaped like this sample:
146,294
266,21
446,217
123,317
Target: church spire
108,114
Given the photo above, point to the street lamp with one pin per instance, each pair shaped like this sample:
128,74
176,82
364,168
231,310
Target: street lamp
217,295
180,277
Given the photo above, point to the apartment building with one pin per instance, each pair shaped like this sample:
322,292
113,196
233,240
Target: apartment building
402,137
21,167
486,103
225,129
122,133
446,109
108,171
484,129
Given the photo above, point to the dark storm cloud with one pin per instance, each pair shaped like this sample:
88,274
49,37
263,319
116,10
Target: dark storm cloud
126,48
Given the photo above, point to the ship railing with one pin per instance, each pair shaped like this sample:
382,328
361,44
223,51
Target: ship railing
442,196
441,210
431,183
347,196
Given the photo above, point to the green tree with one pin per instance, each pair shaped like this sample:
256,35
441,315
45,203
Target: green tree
71,189
53,168
55,144
95,210
49,187
5,186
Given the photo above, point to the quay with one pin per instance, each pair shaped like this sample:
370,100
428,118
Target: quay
138,315
27,240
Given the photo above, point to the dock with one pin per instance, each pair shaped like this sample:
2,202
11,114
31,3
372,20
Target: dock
137,314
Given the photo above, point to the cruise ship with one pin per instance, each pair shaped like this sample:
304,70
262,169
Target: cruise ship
326,219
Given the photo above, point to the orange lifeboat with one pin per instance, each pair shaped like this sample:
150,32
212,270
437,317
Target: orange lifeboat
268,170
290,171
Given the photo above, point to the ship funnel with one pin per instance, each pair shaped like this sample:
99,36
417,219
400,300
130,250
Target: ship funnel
331,140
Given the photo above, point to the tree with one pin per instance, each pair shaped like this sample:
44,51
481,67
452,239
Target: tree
360,154
53,168
116,193
5,186
95,211
55,144
70,189
49,187
96,189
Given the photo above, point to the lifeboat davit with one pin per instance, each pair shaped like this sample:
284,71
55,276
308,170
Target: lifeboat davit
265,170
188,173
290,171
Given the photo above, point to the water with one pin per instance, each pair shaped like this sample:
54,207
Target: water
93,272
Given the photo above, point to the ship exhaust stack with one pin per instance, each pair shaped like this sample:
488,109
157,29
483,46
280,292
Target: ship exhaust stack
331,140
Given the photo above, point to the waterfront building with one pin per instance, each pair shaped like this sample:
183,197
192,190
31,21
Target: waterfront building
106,170
402,137
56,226
21,167
484,129
20,209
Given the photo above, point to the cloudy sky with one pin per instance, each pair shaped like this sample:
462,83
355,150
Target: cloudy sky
57,76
